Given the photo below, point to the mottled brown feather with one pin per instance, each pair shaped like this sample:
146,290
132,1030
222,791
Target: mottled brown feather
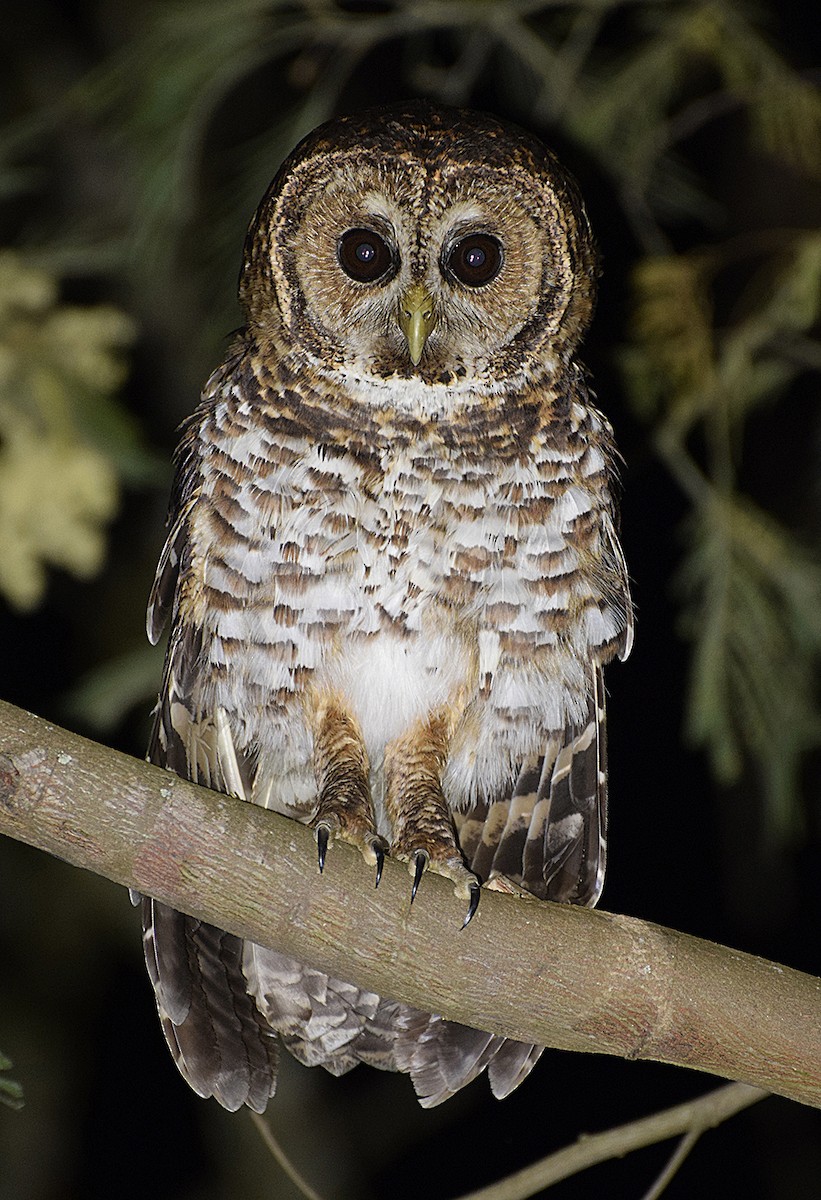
392,586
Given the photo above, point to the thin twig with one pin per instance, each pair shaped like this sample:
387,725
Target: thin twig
267,1135
692,1117
672,1165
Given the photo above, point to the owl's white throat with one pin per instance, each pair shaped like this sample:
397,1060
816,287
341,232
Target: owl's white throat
414,396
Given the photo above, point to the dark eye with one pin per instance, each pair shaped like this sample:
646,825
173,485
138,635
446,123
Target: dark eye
364,255
474,260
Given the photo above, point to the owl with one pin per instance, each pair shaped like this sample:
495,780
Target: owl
392,574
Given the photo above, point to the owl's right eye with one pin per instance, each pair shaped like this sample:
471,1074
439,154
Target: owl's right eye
364,255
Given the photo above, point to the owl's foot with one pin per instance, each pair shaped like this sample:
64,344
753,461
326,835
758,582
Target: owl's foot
443,862
424,835
331,827
344,810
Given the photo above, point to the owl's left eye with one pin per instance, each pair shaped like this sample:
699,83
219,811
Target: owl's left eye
364,255
474,260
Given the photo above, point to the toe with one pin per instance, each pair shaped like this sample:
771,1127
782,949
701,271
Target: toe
465,884
323,835
329,828
418,865
473,903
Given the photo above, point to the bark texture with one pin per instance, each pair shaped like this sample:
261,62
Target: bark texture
560,975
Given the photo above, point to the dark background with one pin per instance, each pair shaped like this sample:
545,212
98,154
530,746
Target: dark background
105,1112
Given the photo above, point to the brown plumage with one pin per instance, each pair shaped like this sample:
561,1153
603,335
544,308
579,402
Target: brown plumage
392,573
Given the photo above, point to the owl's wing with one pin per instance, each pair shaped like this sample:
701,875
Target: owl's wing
550,836
226,1003
216,1034
219,1039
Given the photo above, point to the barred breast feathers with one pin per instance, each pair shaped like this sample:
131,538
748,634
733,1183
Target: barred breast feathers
392,574
509,566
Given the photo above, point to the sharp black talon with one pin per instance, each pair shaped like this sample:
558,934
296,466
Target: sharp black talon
473,903
380,862
322,837
421,860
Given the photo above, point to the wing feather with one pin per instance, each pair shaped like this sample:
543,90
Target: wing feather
161,598
219,1039
216,1034
443,1056
550,835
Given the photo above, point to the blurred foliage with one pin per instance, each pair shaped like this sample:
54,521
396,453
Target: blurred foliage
104,696
138,142
64,440
11,1093
752,593
629,87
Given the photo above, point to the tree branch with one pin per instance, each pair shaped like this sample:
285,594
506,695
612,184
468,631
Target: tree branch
692,1119
553,974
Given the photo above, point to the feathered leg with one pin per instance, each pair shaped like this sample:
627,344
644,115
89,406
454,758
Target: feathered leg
344,809
422,823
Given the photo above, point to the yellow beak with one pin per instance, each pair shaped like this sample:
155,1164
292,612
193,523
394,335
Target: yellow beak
416,319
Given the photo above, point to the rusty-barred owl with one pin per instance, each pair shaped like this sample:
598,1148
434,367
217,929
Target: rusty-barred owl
392,573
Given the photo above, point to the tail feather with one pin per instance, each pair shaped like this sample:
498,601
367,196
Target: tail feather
216,1034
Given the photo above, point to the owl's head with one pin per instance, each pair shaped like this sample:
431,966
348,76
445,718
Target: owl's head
419,241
